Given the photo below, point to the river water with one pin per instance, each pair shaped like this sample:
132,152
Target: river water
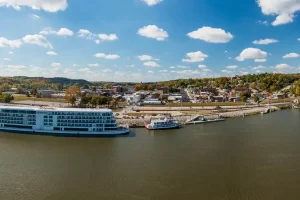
253,158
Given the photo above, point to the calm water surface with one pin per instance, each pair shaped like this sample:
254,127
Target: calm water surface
253,158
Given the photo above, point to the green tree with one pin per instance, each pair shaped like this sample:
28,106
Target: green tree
297,90
94,101
244,98
108,86
72,100
34,91
252,85
8,98
27,94
19,90
102,100
256,99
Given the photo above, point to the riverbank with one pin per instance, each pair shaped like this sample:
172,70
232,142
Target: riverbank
134,122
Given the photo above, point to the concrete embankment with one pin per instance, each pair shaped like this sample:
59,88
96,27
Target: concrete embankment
218,114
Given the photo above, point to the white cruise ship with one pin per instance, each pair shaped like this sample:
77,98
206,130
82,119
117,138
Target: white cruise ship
60,121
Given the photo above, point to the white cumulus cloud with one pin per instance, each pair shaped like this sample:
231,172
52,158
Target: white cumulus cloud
107,70
291,55
35,17
197,56
107,56
94,65
107,37
252,53
265,41
202,66
226,71
260,60
51,53
38,40
258,67
47,5
211,35
152,2
284,10
64,32
282,67
6,43
151,64
232,67
85,34
56,65
145,57
152,31
187,72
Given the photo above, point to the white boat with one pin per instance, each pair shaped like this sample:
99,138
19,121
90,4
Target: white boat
205,121
59,121
163,123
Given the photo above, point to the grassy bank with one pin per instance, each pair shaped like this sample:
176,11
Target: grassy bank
279,100
25,98
187,104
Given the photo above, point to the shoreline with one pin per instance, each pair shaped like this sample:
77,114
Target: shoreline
139,123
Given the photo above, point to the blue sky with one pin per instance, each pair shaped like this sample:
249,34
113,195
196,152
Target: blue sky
148,40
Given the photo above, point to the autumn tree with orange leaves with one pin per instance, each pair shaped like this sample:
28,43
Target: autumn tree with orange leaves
72,94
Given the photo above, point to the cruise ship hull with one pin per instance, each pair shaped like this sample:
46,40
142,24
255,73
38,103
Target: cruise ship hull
123,131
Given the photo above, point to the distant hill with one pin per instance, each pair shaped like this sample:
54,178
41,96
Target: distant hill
61,80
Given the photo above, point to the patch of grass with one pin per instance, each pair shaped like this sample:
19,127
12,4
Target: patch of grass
122,104
279,100
25,98
205,104
196,112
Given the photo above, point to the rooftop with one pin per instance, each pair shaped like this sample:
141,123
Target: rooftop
55,109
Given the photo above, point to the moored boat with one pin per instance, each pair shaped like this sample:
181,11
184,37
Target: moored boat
204,120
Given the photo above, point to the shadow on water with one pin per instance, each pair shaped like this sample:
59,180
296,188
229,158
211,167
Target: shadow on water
130,134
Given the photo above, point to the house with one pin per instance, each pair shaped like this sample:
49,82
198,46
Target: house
14,90
239,90
46,93
217,98
176,97
151,102
279,96
163,89
209,90
58,95
119,90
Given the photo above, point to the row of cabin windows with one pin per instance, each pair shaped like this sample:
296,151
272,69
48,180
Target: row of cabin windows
86,121
80,113
82,117
86,125
16,122
16,115
48,124
18,111
17,118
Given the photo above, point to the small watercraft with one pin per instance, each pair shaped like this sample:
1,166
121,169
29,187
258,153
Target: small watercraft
204,121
